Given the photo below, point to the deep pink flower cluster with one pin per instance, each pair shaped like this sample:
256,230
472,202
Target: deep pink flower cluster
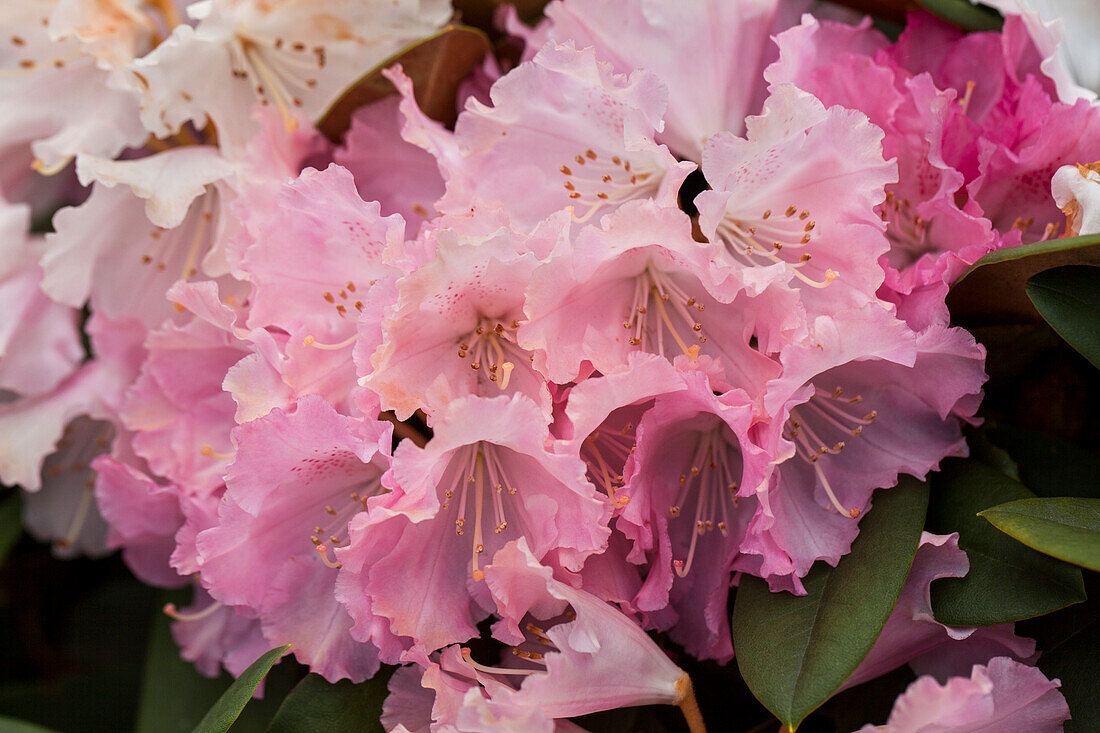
611,393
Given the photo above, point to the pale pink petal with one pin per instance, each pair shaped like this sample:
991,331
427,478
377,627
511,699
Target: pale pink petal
1003,696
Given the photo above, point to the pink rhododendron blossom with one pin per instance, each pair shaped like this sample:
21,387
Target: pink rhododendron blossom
911,635
312,263
594,657
641,283
1002,695
447,692
400,176
603,414
33,426
484,478
713,77
1063,34
797,196
932,240
861,400
690,481
39,338
180,416
308,474
213,635
144,517
515,153
452,330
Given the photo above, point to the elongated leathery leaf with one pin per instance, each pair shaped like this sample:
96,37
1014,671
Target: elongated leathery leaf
1069,299
796,651
992,290
436,65
1007,581
1067,528
317,706
228,707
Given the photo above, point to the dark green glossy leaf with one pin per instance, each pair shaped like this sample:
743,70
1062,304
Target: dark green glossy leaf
1064,527
317,706
229,706
1069,299
795,651
964,14
11,524
11,725
992,292
437,66
1007,581
1073,662
1049,466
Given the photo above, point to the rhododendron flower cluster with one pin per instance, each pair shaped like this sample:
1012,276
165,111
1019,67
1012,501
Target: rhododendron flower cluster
663,309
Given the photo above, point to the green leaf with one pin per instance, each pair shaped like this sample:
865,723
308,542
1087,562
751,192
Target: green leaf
317,706
1066,528
437,66
964,14
1073,661
796,651
992,291
1007,581
11,524
1069,299
1050,466
11,725
221,717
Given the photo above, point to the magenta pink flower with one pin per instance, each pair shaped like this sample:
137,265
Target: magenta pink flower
641,283
295,484
713,75
690,483
794,202
564,131
572,654
1002,695
861,400
400,176
484,478
594,657
452,330
144,517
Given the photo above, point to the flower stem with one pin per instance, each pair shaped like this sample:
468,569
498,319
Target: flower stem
688,706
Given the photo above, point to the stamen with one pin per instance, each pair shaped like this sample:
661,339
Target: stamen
278,91
209,452
479,500
310,341
171,611
51,170
81,516
496,670
322,551
853,512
